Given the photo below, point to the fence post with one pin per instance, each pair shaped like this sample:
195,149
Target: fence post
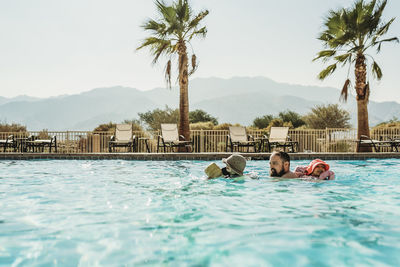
201,140
326,140
96,143
67,142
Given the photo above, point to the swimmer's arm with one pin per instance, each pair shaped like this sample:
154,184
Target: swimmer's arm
327,175
290,175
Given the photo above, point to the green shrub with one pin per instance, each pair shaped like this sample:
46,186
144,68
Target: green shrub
202,126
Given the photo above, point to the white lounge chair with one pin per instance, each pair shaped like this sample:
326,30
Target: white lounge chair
366,141
8,142
278,137
238,137
170,138
34,144
123,138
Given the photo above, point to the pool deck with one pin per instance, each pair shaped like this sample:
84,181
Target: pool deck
192,156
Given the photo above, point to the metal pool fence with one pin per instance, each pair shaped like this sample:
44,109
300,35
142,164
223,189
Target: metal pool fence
310,140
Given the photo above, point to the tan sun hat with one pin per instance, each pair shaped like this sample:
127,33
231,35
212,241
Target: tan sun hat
213,171
236,162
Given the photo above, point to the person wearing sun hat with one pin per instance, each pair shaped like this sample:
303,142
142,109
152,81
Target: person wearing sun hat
235,165
317,168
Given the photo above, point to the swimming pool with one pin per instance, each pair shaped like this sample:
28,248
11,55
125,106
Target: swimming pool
69,212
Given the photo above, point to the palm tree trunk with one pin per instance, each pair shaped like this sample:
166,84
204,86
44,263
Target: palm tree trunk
362,90
184,94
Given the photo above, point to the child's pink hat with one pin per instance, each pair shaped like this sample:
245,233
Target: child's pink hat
314,164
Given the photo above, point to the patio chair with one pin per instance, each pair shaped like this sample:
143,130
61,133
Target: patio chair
123,138
395,141
238,137
366,141
8,142
170,138
278,137
34,144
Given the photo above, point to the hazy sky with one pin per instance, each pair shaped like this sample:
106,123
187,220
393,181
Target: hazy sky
54,47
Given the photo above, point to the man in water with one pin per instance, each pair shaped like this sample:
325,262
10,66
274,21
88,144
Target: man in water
279,165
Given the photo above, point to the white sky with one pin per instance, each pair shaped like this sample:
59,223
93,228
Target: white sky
54,47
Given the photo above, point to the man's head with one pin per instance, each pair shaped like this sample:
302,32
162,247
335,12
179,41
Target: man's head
279,164
316,167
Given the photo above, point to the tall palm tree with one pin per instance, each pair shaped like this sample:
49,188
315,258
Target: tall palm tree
348,34
176,26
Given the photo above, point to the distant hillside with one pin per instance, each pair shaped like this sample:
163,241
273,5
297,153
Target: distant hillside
235,100
4,100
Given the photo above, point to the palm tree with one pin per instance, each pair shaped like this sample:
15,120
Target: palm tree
348,34
176,26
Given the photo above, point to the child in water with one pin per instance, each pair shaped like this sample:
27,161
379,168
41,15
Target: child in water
235,165
317,169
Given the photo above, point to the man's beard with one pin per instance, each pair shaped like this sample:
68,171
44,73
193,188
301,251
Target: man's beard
274,173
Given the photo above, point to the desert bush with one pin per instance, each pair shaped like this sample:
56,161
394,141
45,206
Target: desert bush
327,116
262,122
225,126
153,118
106,127
43,134
202,126
279,123
293,117
199,115
14,127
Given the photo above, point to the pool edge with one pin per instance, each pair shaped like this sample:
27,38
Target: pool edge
191,156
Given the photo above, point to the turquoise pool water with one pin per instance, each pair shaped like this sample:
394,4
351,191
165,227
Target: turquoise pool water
87,213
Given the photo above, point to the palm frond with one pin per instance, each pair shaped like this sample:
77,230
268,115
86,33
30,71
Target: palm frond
325,36
150,41
325,54
194,64
383,29
164,47
376,70
168,15
345,91
343,58
168,74
326,72
356,49
199,17
182,11
201,32
379,43
157,47
153,25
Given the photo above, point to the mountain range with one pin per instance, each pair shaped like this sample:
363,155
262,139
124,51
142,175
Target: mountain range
234,100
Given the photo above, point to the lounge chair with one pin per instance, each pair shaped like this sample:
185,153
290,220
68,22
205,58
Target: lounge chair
34,144
238,137
8,142
366,141
278,137
170,138
123,138
395,141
